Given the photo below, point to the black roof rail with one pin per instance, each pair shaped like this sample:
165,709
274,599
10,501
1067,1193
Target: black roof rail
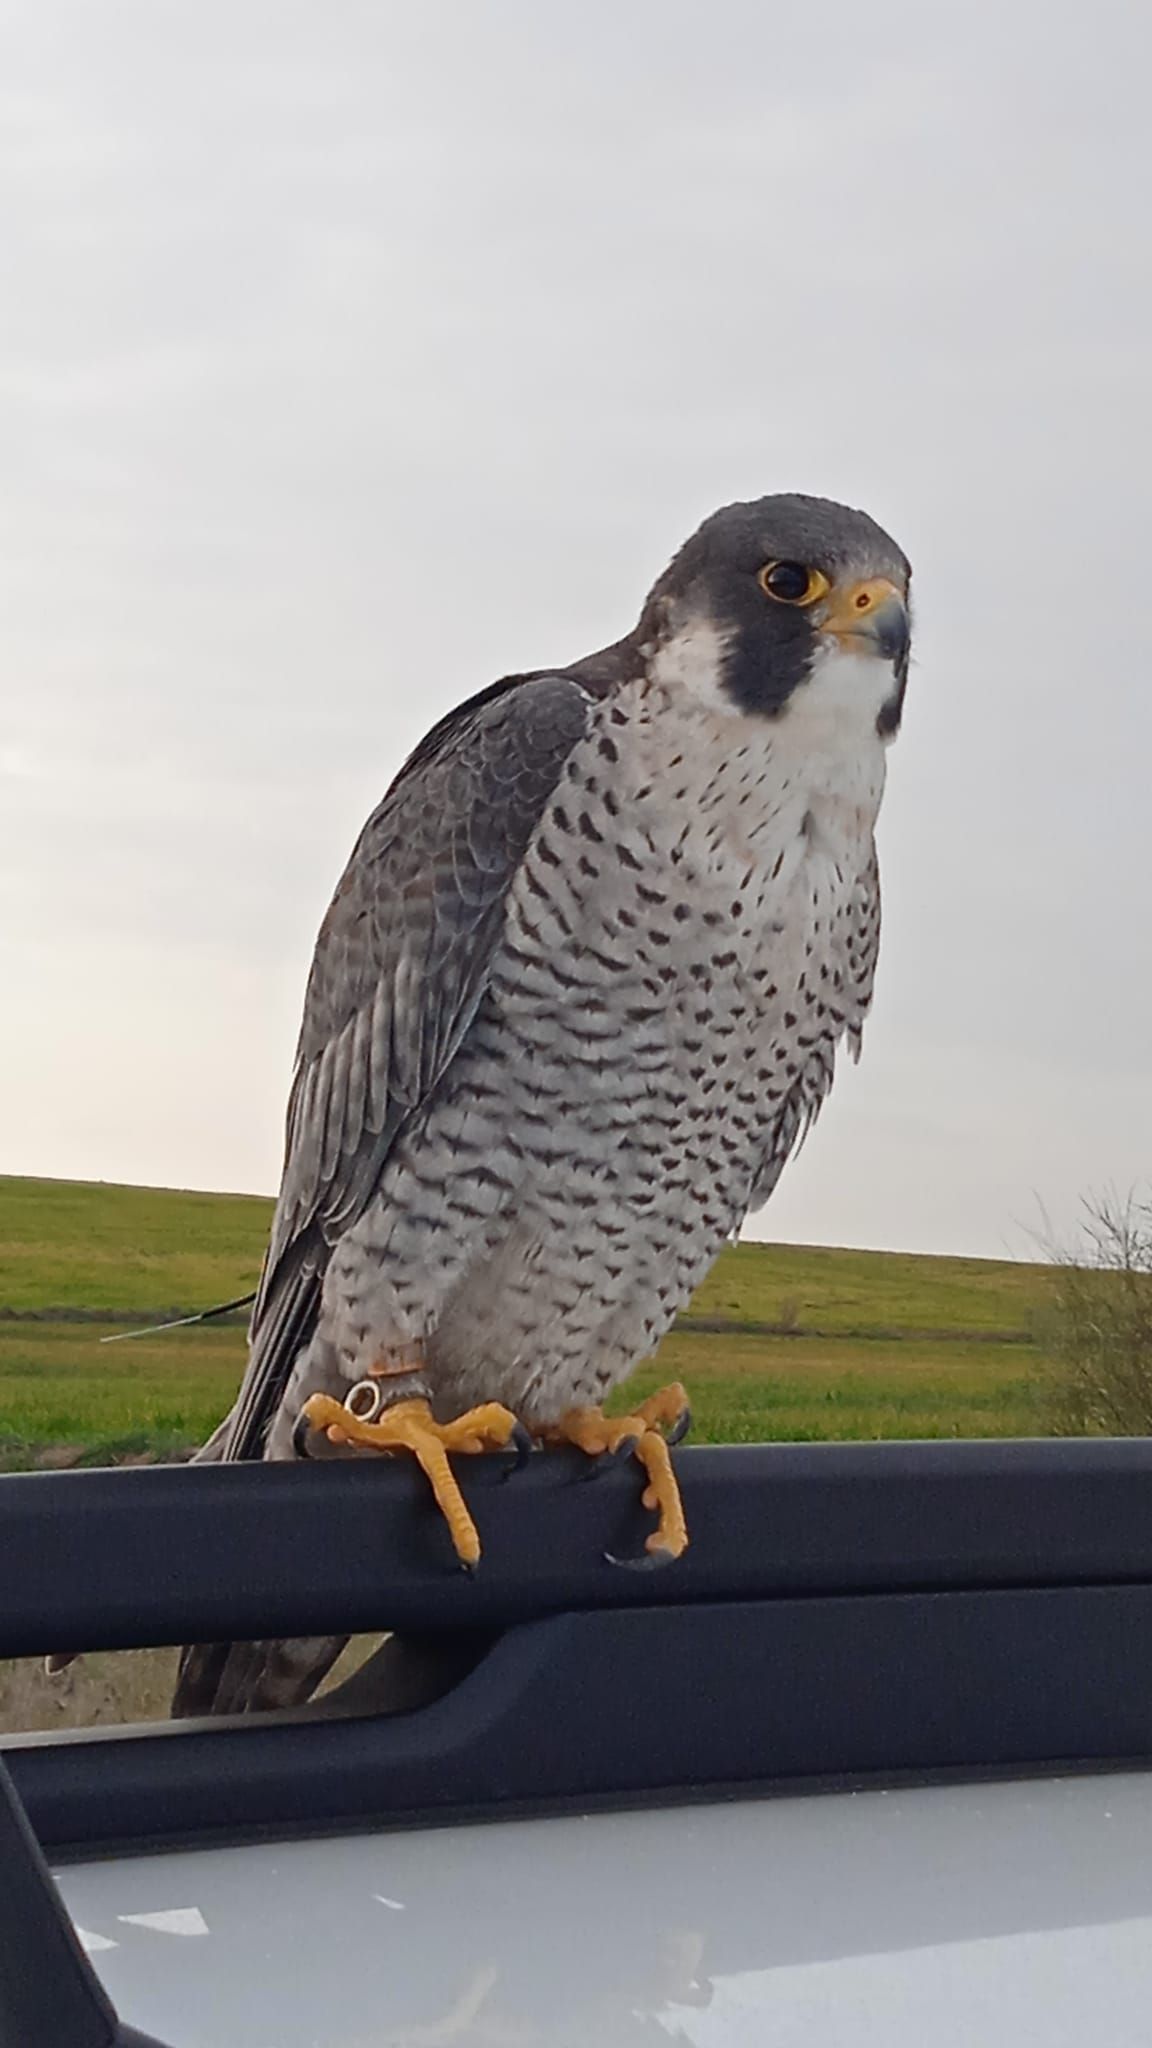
847,1612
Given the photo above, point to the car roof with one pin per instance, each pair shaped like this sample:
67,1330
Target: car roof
962,1915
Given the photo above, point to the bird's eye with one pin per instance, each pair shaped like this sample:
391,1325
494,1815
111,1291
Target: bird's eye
793,583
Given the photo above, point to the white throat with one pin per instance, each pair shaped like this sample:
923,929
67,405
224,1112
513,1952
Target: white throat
842,698
828,733
824,742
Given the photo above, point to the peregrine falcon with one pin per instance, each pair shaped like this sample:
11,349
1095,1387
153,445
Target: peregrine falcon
577,998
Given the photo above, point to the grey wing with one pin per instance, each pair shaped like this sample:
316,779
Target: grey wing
847,1010
400,967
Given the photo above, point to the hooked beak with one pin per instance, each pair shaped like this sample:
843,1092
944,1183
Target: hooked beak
869,618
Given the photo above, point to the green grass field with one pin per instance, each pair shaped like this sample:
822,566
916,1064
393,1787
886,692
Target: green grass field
784,1342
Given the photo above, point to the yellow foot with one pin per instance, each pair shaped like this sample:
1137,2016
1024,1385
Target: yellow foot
410,1426
593,1432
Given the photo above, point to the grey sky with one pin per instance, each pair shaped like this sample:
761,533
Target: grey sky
354,354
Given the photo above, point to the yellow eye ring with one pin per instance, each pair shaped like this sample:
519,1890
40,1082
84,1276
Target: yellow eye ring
793,583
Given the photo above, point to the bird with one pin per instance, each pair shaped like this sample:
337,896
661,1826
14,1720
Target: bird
577,999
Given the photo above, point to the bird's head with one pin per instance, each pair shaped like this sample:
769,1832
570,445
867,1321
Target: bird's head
773,599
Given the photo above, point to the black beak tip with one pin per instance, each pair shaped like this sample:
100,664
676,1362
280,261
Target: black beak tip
892,632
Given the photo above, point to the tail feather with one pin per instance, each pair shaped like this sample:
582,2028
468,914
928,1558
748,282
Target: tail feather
252,1678
282,1324
258,1677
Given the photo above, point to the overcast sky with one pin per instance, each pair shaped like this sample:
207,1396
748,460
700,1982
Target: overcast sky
354,354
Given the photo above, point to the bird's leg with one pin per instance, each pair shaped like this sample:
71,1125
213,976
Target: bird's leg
640,1434
410,1426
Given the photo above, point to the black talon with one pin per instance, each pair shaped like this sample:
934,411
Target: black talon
607,1461
680,1428
521,1442
652,1561
469,1570
300,1437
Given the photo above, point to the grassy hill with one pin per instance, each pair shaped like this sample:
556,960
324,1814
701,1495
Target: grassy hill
781,1341
137,1252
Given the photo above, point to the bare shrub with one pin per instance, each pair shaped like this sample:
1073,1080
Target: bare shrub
1098,1331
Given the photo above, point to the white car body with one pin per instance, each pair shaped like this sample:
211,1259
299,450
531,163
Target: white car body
961,1916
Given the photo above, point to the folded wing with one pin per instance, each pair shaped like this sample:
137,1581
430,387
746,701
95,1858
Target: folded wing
400,966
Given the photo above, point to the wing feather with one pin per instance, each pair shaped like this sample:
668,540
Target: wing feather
400,967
